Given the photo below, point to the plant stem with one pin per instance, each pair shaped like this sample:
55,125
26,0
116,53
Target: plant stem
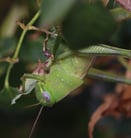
18,47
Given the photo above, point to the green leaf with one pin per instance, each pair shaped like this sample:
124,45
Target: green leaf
3,67
7,46
88,24
7,94
54,10
34,50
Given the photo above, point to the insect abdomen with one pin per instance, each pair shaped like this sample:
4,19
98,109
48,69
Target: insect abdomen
65,76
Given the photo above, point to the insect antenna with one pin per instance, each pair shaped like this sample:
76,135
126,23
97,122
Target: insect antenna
35,122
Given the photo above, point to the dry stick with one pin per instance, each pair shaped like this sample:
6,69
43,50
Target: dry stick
22,25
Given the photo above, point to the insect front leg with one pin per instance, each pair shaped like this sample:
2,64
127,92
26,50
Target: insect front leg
29,82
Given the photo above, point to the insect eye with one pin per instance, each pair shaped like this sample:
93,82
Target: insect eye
46,96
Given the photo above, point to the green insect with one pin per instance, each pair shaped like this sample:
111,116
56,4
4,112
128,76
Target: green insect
64,76
67,73
54,81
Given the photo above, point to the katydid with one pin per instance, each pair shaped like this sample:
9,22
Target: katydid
64,76
68,71
52,82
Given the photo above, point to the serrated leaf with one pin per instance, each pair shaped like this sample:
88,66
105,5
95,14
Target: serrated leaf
53,10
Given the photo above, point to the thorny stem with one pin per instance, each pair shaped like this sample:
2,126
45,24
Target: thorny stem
18,47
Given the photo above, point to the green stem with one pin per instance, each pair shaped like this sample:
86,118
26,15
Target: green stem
18,47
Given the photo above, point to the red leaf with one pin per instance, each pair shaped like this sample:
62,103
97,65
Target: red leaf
125,4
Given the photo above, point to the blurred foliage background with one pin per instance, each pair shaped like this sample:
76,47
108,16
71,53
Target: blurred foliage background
70,117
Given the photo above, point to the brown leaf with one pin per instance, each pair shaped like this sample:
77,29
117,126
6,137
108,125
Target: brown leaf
126,94
125,102
116,104
125,4
128,72
109,102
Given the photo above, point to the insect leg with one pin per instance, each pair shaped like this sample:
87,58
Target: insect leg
104,50
108,76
